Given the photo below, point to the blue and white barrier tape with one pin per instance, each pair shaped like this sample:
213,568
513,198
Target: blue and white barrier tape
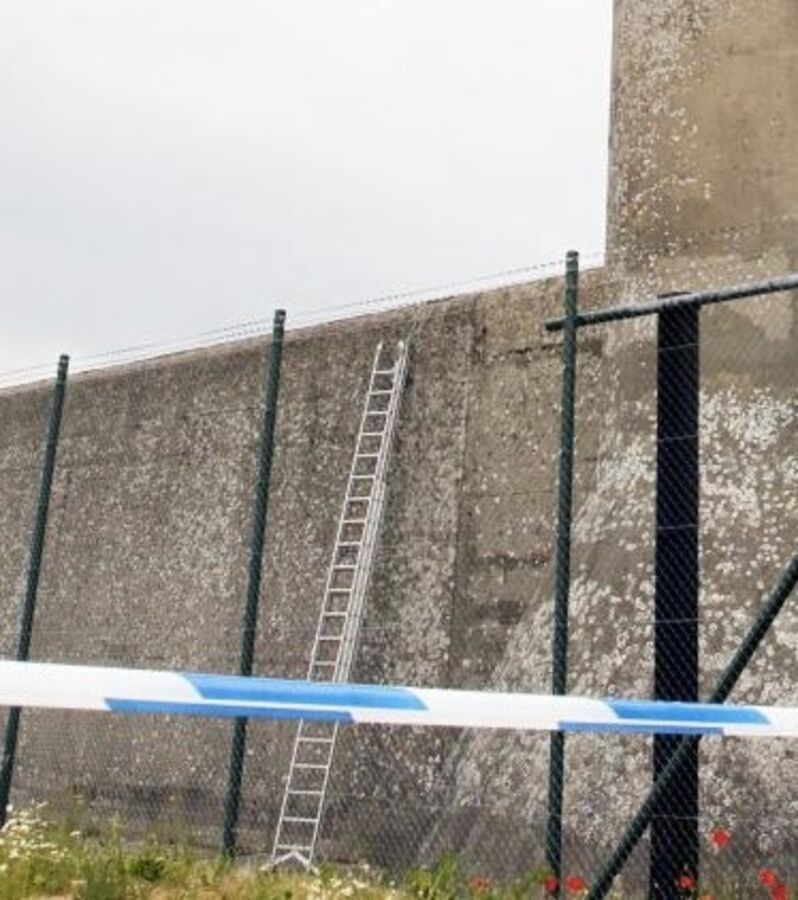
145,691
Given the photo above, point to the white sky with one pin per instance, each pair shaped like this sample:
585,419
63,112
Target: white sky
172,166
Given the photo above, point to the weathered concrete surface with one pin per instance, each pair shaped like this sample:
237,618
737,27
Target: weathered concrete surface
146,555
703,175
703,191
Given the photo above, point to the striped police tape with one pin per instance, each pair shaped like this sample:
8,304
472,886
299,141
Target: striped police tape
58,686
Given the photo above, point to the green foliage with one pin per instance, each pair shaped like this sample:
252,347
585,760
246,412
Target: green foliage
148,865
442,882
40,859
447,881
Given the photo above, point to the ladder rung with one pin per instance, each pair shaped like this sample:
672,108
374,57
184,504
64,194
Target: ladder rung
302,819
354,521
372,433
330,637
376,412
345,566
380,391
339,591
359,497
350,543
335,614
324,662
303,858
311,765
295,793
384,371
313,740
367,456
297,847
363,477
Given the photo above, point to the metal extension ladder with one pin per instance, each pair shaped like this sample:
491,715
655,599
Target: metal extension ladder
335,643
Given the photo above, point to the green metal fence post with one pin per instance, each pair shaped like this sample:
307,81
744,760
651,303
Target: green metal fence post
682,752
559,682
34,572
259,515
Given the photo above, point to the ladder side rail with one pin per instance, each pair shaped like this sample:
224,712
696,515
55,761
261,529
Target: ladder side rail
305,857
341,526
330,581
286,791
371,532
353,622
323,796
368,543
364,558
359,585
353,613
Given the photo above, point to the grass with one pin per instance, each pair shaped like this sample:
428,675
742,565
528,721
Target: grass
41,859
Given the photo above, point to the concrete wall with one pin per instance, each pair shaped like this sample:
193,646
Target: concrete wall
147,547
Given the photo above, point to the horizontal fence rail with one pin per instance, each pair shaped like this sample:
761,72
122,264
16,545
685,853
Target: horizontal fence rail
58,686
657,305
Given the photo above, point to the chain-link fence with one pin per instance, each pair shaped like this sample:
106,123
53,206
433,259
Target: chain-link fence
146,564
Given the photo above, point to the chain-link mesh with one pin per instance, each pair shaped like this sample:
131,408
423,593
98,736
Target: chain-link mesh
656,487
146,564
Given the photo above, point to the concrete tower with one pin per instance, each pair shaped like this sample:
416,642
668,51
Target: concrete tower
703,171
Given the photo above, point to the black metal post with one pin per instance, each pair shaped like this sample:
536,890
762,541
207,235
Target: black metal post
34,573
259,515
559,681
674,826
725,685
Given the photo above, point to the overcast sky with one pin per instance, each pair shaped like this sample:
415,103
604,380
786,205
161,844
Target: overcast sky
169,167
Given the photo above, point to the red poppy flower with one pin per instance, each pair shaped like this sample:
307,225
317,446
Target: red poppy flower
780,892
685,882
550,884
720,838
768,878
575,885
479,884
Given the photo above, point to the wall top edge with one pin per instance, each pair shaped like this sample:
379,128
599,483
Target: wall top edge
379,319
